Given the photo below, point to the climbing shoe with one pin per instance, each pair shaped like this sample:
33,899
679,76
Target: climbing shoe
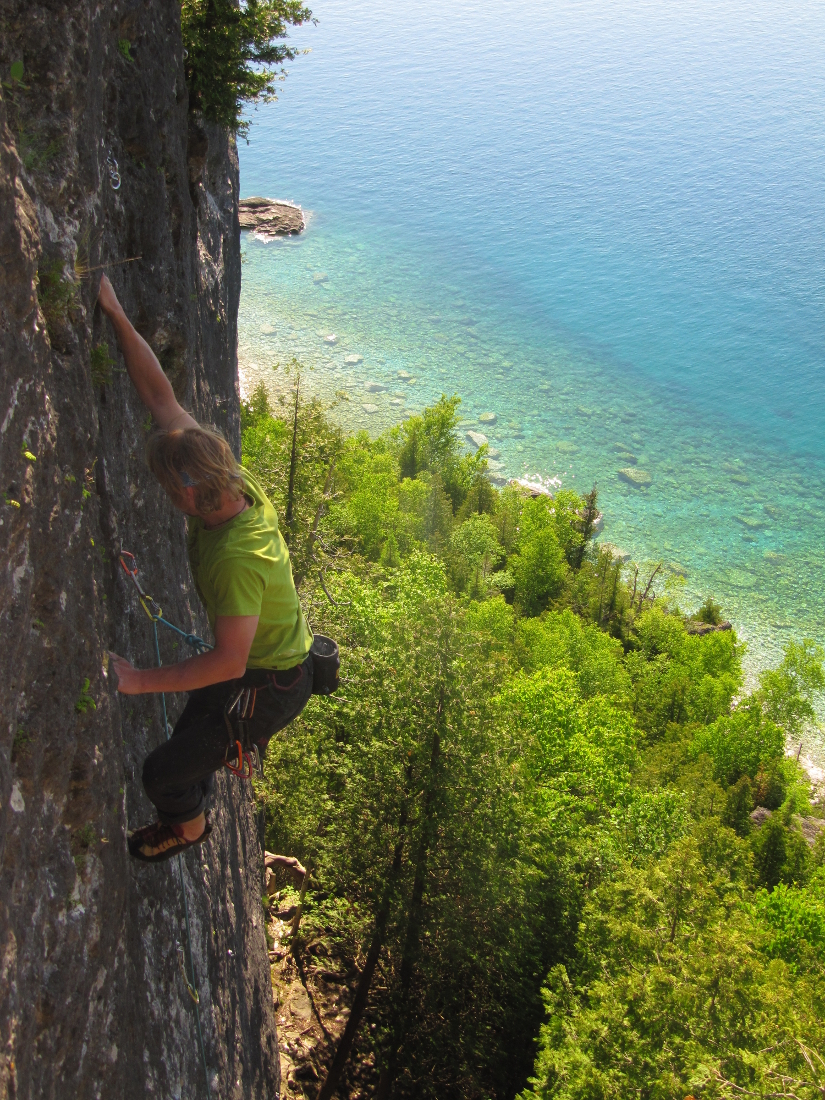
156,842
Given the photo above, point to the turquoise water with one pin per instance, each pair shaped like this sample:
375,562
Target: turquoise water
603,222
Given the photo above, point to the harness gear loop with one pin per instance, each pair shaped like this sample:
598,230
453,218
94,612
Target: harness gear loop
247,757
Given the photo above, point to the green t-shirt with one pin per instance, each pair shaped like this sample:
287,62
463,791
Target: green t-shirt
243,568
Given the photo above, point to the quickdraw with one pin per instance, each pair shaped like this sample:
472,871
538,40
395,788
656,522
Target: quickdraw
246,761
153,609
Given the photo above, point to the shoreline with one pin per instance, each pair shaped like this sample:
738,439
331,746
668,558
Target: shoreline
763,656
355,316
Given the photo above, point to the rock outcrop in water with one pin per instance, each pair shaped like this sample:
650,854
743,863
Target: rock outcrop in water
270,217
99,163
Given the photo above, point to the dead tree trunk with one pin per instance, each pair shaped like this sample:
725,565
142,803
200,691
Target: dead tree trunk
293,461
379,932
387,1077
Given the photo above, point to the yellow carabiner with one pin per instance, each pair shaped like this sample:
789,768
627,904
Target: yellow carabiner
154,616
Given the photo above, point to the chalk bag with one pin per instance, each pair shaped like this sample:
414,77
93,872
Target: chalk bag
325,664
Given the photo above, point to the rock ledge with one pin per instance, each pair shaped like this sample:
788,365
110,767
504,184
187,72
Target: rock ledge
270,217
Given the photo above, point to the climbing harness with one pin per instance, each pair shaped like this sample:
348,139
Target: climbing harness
114,172
155,613
242,758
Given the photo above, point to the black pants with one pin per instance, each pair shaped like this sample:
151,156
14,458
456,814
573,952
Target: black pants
177,776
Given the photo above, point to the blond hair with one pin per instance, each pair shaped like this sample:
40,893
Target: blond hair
196,458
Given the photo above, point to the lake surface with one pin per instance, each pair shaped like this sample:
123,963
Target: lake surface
605,223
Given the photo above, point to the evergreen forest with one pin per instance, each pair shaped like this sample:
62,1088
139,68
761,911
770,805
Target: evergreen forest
528,811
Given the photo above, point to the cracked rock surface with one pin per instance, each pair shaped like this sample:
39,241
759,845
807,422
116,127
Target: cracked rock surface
101,164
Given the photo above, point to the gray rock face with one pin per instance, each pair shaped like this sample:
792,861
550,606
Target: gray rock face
270,217
92,999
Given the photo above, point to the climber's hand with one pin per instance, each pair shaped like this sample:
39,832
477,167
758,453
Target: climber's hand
128,677
107,298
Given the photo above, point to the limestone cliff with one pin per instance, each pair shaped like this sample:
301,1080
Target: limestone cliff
92,997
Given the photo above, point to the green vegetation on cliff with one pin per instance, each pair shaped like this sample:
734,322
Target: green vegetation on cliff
235,53
533,791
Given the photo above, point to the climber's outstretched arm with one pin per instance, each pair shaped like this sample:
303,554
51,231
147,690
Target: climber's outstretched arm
151,383
227,661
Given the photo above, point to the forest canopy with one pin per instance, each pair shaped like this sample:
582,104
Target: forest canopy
531,798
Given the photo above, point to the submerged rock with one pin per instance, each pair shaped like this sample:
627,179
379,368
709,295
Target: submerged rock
487,418
271,217
751,523
478,439
639,479
368,407
353,360
615,552
374,387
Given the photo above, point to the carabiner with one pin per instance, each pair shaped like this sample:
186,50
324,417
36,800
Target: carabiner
243,765
147,602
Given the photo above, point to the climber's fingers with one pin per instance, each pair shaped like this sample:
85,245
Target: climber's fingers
127,675
107,297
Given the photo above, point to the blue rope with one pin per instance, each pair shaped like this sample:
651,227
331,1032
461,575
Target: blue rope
195,642
198,644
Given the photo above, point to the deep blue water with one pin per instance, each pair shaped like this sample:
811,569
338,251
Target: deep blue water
604,222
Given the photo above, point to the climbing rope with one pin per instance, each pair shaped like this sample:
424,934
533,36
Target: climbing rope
153,608
155,613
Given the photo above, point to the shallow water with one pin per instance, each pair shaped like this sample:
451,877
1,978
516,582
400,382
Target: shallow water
603,223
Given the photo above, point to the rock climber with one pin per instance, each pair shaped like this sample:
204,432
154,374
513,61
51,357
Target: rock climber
240,564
